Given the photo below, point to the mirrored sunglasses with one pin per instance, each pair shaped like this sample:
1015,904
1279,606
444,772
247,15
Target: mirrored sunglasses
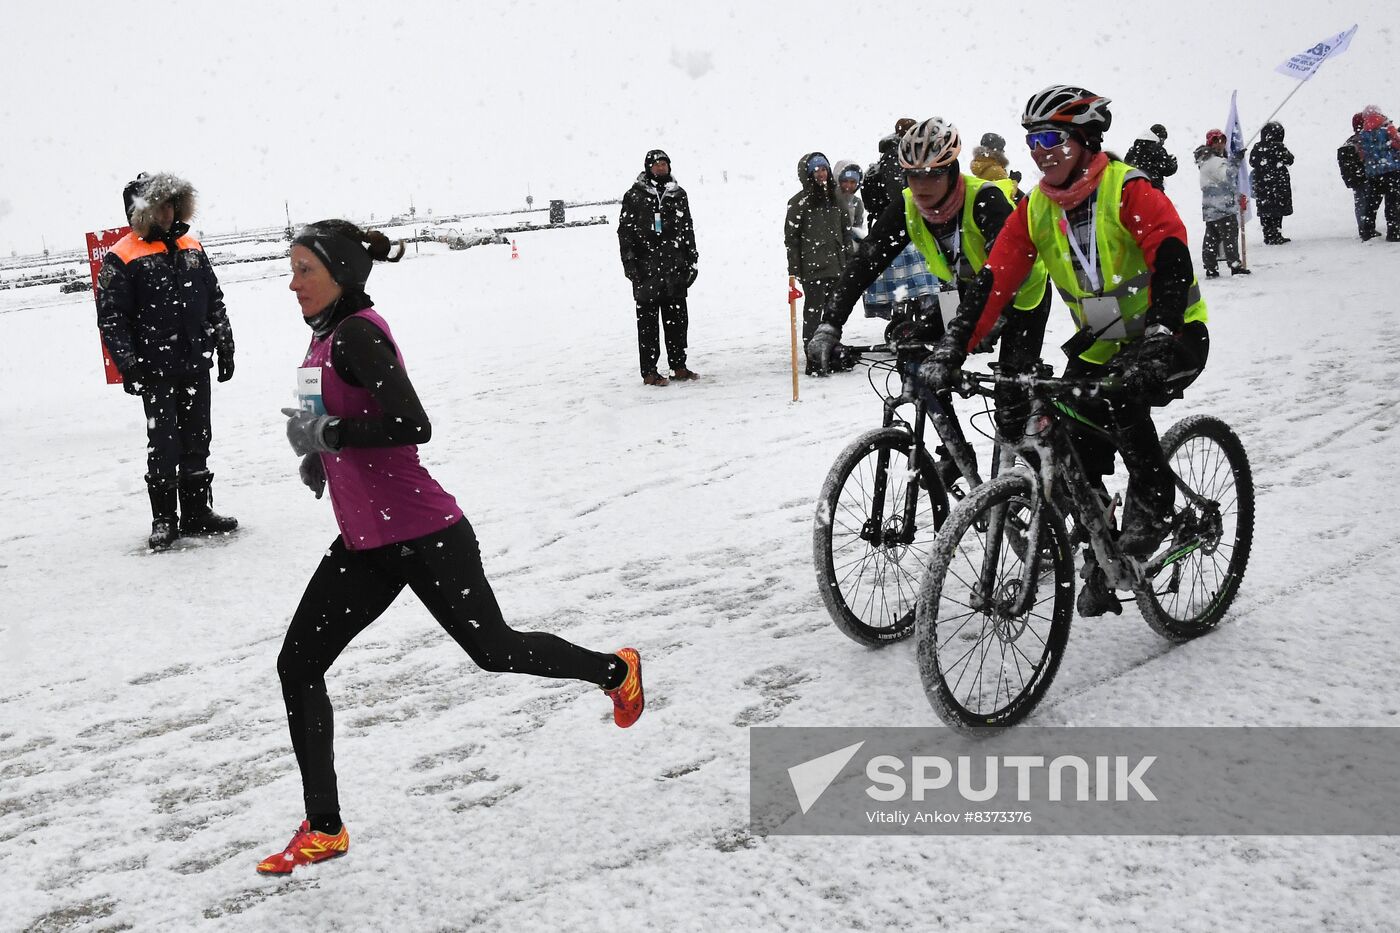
1046,139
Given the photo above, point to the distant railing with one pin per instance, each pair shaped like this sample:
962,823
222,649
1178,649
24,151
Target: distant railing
555,209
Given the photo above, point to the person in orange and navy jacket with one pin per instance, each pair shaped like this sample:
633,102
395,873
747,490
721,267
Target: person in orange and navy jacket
162,318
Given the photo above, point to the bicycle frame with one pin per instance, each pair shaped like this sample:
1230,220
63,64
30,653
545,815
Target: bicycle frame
927,408
1061,469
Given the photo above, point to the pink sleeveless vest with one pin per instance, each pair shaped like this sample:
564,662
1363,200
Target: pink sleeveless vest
381,495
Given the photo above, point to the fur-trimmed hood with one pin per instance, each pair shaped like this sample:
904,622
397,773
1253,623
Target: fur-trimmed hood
146,193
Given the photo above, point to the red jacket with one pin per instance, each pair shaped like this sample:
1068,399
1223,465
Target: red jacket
1147,213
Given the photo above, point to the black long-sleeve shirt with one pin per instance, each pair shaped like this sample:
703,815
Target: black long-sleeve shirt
363,356
889,237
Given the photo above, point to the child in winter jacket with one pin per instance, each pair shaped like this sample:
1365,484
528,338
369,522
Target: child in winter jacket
1220,176
1363,190
1273,185
1379,146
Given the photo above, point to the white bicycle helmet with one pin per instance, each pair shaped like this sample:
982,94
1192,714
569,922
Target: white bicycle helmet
1064,106
932,144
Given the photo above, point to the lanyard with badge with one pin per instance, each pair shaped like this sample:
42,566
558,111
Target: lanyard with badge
1099,315
948,296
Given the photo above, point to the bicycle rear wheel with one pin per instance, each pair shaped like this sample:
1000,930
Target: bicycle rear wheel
1189,596
868,565
981,666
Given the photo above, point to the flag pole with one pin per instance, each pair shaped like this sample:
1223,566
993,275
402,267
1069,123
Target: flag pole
1284,101
1318,67
793,295
1244,244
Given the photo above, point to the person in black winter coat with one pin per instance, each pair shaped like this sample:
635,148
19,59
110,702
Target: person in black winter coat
1272,182
656,237
884,180
1365,201
161,314
1149,155
817,235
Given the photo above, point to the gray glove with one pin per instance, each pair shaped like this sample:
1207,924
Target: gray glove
306,432
938,369
313,474
820,346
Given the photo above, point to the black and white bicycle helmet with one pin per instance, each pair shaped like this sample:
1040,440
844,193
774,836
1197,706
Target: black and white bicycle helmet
1066,107
931,144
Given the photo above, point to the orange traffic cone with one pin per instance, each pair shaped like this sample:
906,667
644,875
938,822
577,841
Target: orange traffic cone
514,253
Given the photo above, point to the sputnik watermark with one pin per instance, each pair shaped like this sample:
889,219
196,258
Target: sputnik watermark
1334,781
1114,779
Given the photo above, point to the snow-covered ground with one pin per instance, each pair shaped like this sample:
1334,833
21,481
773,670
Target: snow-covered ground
144,761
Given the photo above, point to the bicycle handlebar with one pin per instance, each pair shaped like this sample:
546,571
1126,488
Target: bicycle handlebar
975,383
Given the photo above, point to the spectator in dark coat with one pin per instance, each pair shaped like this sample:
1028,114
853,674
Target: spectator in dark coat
1379,145
1363,192
1148,155
884,180
818,238
162,318
1272,182
656,237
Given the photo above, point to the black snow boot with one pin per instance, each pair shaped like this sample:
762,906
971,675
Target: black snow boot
1144,527
196,515
164,524
1095,597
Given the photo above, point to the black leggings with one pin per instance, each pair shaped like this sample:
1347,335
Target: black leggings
350,589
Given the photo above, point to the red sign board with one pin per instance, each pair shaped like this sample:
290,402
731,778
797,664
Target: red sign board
97,245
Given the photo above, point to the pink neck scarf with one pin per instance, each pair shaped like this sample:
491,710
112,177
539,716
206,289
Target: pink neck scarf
1071,197
947,210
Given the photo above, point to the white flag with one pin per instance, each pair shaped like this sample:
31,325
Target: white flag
1302,65
1234,148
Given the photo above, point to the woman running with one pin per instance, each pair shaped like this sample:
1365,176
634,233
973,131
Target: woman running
357,430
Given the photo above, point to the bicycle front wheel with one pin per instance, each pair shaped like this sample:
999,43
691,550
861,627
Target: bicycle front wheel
985,662
868,562
1190,594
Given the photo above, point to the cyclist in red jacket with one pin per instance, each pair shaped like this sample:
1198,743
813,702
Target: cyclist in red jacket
1115,248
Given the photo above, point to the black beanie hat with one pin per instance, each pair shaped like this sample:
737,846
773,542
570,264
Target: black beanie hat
654,156
129,193
992,141
340,251
1159,131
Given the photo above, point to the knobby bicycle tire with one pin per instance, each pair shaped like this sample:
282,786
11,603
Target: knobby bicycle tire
870,590
1199,448
953,635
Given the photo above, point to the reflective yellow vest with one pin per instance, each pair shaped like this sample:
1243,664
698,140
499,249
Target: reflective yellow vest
974,244
1122,269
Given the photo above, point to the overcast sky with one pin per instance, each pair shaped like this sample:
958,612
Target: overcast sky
355,108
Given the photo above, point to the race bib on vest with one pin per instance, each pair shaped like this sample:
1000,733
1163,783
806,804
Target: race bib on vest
1101,315
948,301
309,390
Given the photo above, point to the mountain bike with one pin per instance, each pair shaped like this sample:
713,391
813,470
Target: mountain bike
994,609
882,502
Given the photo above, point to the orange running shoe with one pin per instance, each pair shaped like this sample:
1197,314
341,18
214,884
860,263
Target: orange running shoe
307,847
627,697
